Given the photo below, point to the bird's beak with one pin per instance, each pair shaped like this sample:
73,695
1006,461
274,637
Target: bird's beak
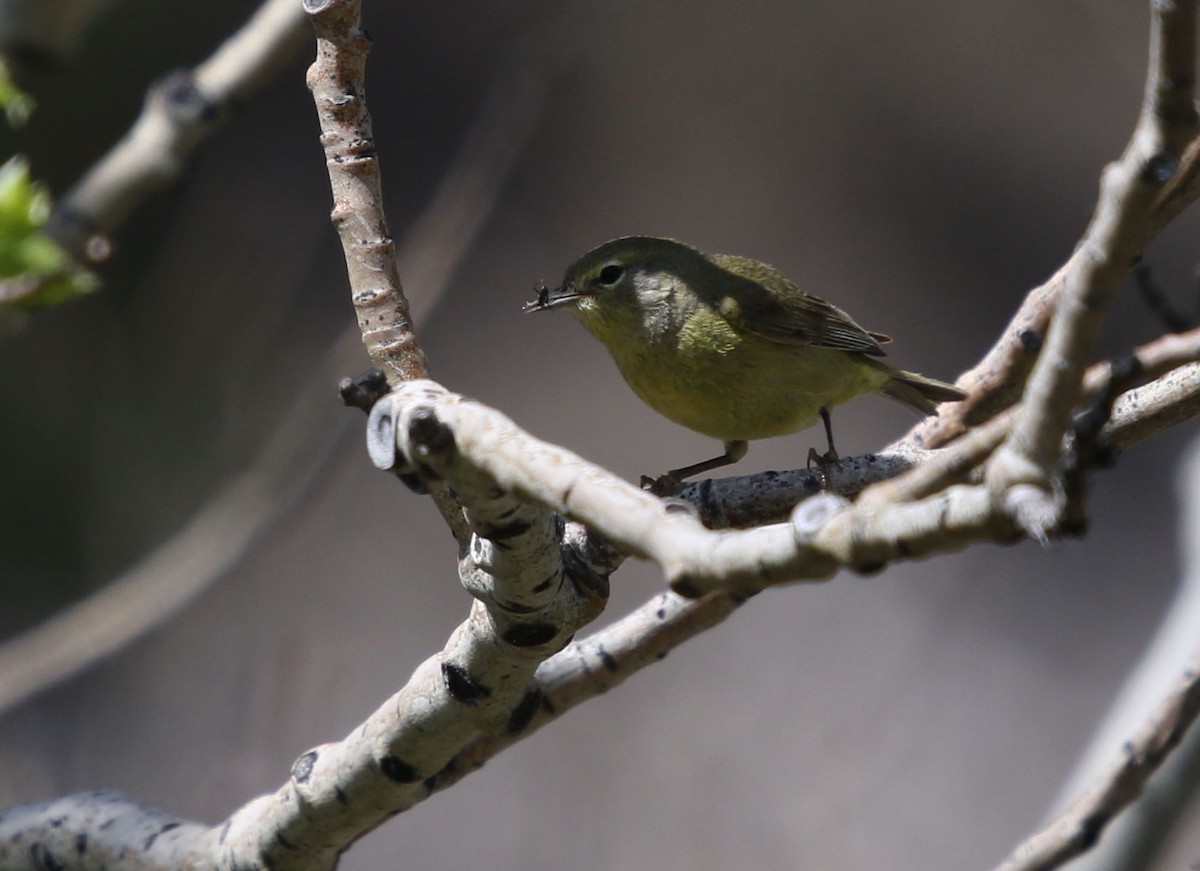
548,298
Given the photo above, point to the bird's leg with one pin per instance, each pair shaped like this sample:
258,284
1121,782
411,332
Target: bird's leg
734,451
831,455
666,485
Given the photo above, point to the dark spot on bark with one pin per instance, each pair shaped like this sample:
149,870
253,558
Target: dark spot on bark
523,712
183,99
529,634
1159,168
364,390
1031,341
397,770
150,840
1090,828
1126,367
43,859
462,686
609,661
426,430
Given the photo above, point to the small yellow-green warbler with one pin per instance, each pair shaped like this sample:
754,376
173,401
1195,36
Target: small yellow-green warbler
728,346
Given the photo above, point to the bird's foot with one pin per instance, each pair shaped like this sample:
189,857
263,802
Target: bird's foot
662,486
822,460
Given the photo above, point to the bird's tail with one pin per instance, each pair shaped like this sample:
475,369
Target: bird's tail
919,392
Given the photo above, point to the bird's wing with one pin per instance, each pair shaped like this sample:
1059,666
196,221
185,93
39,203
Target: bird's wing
794,318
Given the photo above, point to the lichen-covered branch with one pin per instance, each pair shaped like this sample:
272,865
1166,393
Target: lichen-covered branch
97,830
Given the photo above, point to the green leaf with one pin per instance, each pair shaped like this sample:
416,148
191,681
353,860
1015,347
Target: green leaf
34,270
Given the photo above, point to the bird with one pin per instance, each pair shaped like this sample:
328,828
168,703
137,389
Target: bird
728,346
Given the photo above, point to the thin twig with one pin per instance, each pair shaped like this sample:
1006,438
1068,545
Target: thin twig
599,663
996,381
337,81
951,464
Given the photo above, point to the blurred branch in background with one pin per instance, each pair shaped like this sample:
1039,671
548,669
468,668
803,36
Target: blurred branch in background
181,111
1081,825
1138,837
222,529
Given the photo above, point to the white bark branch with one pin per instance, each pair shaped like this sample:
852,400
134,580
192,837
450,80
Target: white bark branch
98,830
1025,474
824,534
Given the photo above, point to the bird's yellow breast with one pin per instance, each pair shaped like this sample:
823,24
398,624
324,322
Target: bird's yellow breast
732,385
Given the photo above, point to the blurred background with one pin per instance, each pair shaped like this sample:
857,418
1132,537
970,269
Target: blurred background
922,165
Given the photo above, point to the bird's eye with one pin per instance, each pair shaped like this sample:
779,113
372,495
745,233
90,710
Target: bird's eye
611,274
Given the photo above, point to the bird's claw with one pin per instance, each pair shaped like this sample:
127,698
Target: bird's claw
662,486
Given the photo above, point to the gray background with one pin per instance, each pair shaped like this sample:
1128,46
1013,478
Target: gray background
921,164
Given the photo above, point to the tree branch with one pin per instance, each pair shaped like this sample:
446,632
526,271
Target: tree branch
180,112
824,534
1025,473
1079,827
1168,119
336,79
231,520
1143,833
96,830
